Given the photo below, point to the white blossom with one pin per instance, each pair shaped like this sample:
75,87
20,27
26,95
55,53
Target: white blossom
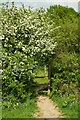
26,35
23,48
21,63
20,43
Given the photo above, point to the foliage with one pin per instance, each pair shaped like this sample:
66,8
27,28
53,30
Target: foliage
32,38
27,39
67,18
69,110
65,63
24,110
40,71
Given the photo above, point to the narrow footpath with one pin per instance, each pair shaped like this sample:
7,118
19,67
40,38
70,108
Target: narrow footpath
47,108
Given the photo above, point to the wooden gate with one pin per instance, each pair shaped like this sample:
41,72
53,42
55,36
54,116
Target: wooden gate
41,87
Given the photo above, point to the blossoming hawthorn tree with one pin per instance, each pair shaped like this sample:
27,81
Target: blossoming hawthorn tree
27,38
41,44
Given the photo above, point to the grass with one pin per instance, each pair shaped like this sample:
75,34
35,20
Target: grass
24,110
70,111
40,72
28,108
41,80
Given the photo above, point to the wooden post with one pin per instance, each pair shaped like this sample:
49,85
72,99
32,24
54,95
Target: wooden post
49,77
45,71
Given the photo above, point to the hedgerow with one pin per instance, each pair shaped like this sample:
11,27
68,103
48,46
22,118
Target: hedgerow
40,37
27,39
65,64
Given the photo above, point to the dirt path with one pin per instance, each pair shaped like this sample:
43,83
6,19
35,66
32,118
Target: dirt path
47,108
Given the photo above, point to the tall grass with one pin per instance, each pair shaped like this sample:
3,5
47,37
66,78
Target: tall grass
70,111
24,110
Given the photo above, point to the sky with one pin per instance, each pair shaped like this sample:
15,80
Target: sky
46,3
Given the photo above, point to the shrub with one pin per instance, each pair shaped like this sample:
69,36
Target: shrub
25,43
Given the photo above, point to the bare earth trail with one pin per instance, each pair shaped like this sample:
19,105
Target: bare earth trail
47,108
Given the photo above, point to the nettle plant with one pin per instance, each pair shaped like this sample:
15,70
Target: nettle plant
27,38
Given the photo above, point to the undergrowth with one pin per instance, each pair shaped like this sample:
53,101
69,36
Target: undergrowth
22,110
69,110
